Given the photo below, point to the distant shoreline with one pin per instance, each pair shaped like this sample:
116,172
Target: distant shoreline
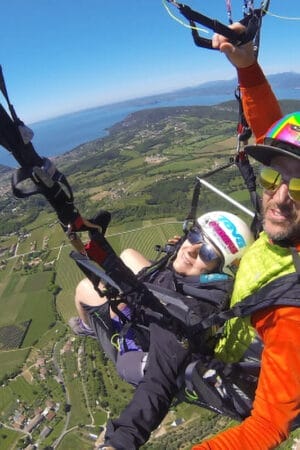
56,136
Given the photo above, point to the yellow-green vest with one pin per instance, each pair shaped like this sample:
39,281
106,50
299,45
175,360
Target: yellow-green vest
262,263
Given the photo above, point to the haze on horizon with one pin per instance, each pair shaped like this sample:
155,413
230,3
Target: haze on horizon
60,57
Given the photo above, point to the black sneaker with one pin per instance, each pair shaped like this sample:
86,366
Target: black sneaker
80,328
105,447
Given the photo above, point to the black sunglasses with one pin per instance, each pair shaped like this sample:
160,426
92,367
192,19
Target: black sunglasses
207,252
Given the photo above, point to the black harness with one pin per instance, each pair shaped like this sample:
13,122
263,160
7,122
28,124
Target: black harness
229,389
284,291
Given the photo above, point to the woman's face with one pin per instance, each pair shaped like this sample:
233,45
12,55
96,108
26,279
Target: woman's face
189,263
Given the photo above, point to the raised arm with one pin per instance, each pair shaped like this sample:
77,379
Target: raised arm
261,107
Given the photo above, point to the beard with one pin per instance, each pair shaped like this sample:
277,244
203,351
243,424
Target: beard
287,231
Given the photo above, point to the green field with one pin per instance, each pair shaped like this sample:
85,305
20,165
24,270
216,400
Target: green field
8,438
75,441
10,360
27,298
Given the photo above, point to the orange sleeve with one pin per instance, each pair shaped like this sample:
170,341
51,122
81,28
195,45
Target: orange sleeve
277,397
260,105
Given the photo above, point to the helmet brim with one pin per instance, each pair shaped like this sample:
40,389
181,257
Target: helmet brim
265,153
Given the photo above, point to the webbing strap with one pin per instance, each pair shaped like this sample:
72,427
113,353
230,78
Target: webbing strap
193,211
251,21
173,303
89,267
284,291
192,215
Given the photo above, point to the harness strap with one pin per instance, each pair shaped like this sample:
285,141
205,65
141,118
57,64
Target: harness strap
243,130
251,22
146,273
174,305
247,173
44,176
195,199
284,291
242,162
192,215
296,258
93,272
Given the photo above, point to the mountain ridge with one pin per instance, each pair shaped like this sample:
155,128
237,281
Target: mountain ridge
283,80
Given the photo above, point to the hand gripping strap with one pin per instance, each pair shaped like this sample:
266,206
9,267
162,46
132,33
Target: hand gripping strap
251,22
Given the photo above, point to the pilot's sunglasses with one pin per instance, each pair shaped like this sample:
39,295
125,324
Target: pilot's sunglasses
206,252
271,180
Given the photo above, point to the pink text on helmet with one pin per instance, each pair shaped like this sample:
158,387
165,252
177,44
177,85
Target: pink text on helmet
223,236
221,233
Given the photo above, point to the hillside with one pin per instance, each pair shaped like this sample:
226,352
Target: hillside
284,80
279,81
143,172
132,170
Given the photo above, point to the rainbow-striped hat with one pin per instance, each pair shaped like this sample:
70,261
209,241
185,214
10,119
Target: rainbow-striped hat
283,138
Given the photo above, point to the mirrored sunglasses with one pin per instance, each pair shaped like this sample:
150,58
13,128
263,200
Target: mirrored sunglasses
270,180
207,252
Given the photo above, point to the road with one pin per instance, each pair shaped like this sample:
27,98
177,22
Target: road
68,413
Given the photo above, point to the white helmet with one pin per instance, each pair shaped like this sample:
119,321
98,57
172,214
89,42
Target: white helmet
229,234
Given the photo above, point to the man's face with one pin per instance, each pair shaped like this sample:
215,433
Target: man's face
189,263
282,214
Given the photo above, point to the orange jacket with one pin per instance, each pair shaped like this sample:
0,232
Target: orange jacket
260,105
277,397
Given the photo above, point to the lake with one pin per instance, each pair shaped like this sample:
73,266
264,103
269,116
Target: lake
61,134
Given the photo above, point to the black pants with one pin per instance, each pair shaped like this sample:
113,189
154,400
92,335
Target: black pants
151,401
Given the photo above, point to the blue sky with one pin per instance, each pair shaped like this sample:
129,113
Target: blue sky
60,56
